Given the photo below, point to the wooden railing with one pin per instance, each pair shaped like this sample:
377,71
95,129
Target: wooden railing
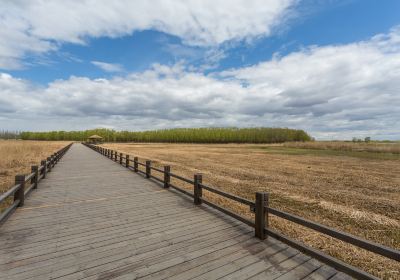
24,184
260,207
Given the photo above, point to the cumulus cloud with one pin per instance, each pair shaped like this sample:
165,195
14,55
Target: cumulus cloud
332,91
108,67
40,26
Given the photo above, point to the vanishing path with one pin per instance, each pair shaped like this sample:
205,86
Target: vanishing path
91,218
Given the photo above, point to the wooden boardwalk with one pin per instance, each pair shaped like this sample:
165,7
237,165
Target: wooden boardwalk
91,218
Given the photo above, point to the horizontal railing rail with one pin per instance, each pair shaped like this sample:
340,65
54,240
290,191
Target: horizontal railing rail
182,178
230,196
24,184
343,236
260,208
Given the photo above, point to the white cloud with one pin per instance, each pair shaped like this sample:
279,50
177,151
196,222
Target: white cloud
332,91
40,26
108,67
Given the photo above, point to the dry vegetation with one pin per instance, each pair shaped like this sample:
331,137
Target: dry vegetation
16,157
357,194
376,147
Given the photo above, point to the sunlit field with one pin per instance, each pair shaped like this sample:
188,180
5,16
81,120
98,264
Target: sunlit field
16,157
355,188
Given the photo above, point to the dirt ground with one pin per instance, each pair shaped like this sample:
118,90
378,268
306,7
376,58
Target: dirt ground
360,195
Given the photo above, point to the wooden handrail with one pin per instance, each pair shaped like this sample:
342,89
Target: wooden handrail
10,192
346,237
181,178
321,256
230,196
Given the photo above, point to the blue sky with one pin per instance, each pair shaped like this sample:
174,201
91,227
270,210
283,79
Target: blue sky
184,63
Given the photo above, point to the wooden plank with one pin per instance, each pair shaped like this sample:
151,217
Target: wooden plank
322,273
111,225
142,255
244,265
173,260
277,260
207,261
141,246
108,236
301,270
211,266
340,276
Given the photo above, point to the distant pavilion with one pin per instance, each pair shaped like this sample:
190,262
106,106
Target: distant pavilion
95,139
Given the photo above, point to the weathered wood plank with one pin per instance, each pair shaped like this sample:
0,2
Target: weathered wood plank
324,272
301,271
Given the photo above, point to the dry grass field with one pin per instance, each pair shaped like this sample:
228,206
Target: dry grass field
355,190
375,147
16,157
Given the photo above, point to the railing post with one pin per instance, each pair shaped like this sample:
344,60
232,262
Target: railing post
167,176
112,155
115,156
20,193
120,158
261,219
49,163
126,160
35,179
135,164
43,163
148,168
198,191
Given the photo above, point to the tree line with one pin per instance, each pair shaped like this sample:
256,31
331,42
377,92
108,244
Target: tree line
7,134
179,135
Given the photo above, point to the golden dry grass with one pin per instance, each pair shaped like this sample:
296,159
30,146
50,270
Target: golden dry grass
377,147
357,195
16,157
